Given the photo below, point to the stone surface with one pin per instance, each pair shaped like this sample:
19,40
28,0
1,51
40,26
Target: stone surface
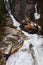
31,53
22,9
11,40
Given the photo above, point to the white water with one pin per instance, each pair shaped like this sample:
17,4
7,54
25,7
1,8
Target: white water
9,11
36,14
24,56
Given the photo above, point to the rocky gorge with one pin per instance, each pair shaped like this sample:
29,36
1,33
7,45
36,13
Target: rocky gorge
23,43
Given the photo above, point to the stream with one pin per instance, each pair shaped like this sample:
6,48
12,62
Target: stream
31,52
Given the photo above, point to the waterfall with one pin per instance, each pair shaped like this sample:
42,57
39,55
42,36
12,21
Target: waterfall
7,5
36,14
31,53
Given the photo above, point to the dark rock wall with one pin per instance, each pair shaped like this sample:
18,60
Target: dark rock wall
22,9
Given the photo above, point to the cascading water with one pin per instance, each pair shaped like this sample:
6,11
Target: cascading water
15,23
36,14
31,52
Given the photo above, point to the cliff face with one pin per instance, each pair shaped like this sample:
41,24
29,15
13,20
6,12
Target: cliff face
22,9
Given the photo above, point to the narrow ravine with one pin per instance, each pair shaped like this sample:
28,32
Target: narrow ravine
31,53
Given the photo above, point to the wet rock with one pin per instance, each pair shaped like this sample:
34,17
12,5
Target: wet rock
9,22
10,41
31,53
3,61
30,26
21,9
24,9
9,30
